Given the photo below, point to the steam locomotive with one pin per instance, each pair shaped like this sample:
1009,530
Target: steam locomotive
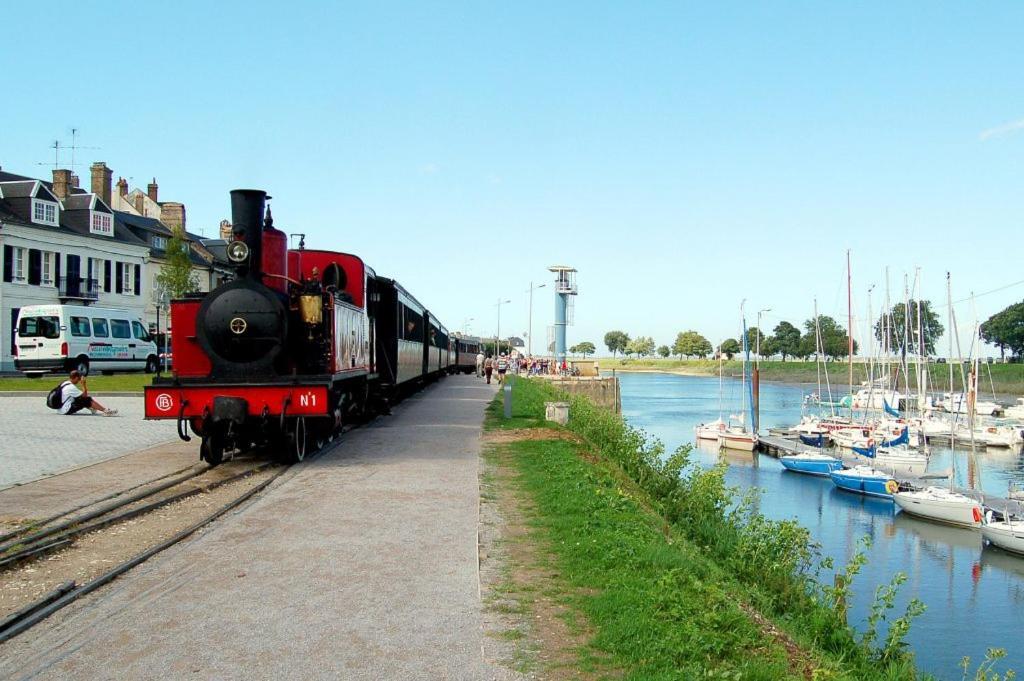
299,343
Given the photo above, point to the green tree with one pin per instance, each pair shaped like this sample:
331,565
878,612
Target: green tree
785,340
691,343
753,333
1005,329
894,325
616,341
176,278
641,345
834,341
585,348
730,347
664,350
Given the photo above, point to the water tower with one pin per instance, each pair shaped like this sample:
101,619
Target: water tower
565,286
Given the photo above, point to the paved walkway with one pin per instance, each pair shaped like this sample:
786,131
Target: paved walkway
36,441
361,564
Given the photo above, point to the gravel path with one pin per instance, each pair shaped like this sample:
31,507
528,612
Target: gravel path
360,565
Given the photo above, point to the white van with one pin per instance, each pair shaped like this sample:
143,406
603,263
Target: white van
64,337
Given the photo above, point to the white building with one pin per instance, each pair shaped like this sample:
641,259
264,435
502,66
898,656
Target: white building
63,244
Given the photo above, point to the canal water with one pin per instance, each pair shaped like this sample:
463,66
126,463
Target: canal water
974,594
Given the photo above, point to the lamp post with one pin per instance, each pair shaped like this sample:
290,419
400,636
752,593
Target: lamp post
497,333
465,324
529,325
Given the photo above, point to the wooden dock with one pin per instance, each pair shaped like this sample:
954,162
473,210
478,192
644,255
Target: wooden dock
776,445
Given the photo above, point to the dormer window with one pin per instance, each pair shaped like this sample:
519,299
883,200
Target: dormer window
101,223
160,242
44,212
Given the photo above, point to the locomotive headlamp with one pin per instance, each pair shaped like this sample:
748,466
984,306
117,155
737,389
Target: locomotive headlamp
238,251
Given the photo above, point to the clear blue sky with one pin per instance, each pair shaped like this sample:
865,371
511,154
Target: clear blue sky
681,156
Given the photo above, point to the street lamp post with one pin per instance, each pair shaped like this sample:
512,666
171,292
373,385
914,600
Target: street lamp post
465,325
497,333
529,326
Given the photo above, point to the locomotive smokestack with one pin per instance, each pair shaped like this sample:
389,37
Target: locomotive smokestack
247,208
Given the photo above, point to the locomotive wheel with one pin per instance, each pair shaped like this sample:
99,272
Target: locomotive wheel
295,442
212,449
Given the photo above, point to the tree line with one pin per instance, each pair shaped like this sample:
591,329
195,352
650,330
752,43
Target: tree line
786,340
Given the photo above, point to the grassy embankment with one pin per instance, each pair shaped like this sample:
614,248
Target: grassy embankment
673,575
122,383
1008,379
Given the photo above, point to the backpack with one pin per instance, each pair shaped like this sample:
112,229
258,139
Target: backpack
54,400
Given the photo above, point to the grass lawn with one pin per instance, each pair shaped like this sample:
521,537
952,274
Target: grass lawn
97,384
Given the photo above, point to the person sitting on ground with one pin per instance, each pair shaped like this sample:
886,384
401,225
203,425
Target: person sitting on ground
75,397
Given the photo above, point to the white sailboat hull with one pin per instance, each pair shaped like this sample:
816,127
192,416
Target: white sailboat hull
1007,536
742,441
941,506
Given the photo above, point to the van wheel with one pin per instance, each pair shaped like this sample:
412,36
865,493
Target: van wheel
151,365
82,365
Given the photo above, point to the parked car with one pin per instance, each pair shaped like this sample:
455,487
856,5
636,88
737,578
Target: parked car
58,338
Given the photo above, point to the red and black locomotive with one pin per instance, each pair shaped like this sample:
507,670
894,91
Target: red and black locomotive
299,343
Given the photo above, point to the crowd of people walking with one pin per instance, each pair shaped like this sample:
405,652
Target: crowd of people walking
489,367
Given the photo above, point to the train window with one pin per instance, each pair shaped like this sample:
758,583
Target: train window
99,328
413,326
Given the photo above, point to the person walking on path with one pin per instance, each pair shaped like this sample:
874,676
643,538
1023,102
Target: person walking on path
502,368
479,364
75,397
488,368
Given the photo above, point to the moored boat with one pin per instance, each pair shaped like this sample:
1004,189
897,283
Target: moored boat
940,505
865,480
1006,534
736,437
811,463
710,431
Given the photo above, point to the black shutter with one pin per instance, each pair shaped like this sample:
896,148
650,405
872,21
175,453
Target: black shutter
138,280
8,263
106,276
14,327
89,276
35,266
74,275
56,267
120,278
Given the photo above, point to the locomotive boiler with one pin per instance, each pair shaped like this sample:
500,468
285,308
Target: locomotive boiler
296,345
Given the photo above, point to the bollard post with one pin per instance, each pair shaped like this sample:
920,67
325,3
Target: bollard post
507,396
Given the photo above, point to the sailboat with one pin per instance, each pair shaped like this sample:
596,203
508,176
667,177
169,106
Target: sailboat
736,435
1005,532
713,431
937,503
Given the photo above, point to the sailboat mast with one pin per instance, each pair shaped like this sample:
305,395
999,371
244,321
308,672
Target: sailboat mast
849,320
952,421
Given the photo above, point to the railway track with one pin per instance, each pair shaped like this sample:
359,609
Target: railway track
57,537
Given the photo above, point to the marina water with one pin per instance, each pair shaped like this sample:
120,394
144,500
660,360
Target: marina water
974,595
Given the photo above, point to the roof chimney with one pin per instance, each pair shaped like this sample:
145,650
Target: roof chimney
122,187
101,175
74,181
140,203
172,214
225,230
61,183
151,190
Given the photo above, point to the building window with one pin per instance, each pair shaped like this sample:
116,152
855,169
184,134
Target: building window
19,264
44,212
102,224
127,277
160,242
47,278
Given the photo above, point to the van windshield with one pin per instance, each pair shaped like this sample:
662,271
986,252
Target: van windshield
34,327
